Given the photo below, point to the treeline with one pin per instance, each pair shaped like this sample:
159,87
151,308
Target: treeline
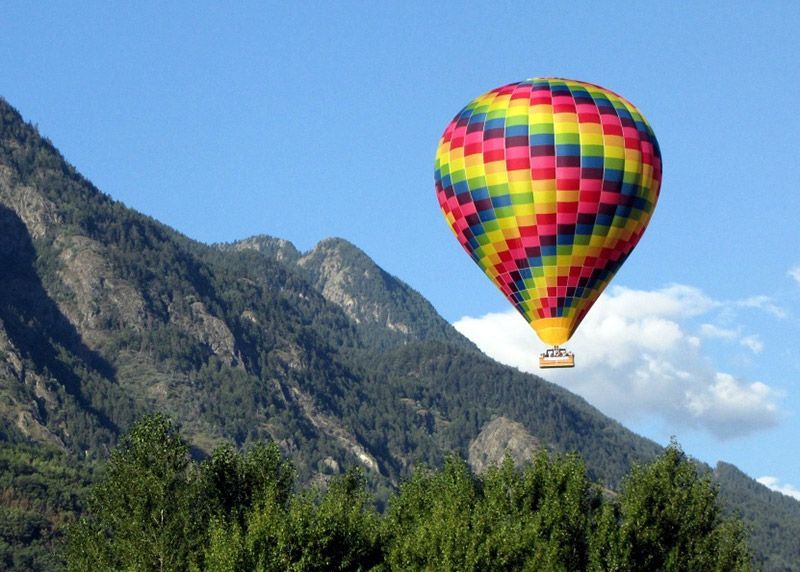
156,509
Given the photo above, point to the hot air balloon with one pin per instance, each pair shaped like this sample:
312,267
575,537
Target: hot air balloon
548,184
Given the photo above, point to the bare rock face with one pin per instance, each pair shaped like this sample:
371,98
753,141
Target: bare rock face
336,282
19,406
345,276
331,427
10,361
100,299
499,437
210,330
280,249
38,213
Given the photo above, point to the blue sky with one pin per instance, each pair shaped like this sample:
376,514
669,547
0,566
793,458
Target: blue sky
309,120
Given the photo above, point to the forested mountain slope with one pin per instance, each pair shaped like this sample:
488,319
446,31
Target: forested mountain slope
106,314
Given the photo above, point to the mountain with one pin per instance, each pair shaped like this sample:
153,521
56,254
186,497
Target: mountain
386,311
106,314
771,516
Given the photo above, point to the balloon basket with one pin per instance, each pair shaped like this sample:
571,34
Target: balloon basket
556,357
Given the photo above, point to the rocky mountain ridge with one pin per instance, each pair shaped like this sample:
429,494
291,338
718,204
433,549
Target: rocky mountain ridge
387,310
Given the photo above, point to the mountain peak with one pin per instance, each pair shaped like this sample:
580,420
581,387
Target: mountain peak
278,248
9,113
386,308
388,311
338,243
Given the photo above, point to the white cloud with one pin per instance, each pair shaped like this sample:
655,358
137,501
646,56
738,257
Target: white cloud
753,343
764,303
673,301
712,331
794,272
775,484
638,355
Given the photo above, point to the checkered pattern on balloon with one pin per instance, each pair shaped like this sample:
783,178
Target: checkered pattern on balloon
548,184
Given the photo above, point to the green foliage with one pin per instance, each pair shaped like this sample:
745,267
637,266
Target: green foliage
141,512
39,493
539,519
429,521
155,509
333,530
771,519
670,519
231,481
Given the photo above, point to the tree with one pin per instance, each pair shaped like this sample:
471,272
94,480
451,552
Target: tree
669,519
155,509
232,482
140,513
313,531
428,522
337,530
539,518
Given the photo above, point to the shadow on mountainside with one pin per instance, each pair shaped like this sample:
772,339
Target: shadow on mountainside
36,326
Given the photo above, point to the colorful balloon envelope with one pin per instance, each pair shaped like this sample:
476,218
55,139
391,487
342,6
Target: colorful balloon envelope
548,184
